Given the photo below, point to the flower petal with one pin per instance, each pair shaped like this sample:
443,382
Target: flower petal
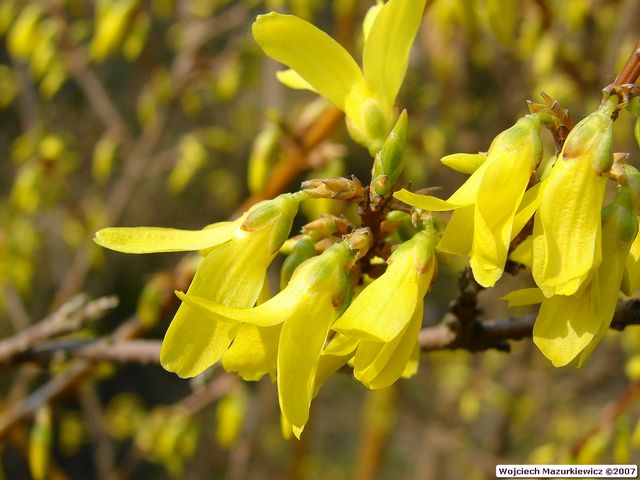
379,365
458,236
564,327
157,239
317,58
464,162
373,316
524,296
232,273
301,340
253,353
526,209
292,79
566,243
386,49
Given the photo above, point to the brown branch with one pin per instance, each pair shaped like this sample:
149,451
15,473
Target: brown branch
631,70
68,318
495,334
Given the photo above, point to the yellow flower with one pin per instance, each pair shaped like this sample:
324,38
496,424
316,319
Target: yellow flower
232,272
491,207
318,62
317,293
572,326
387,315
566,233
631,280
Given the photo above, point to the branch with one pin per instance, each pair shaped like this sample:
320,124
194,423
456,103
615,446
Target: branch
496,334
66,319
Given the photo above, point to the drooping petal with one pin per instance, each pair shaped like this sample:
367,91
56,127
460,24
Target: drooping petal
458,236
464,162
465,195
253,352
292,79
317,58
334,356
383,308
156,239
301,340
631,279
511,159
386,50
268,314
565,326
379,365
526,209
524,296
232,273
566,241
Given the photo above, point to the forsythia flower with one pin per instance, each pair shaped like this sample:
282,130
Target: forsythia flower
566,232
572,326
491,207
232,273
318,292
318,62
387,315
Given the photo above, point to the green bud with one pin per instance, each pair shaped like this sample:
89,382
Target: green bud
619,219
593,136
388,162
273,216
303,250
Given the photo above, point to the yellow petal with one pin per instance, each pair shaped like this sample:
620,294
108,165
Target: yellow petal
526,209
379,365
334,356
564,327
253,352
458,236
464,162
386,50
156,239
292,79
317,58
383,308
501,190
631,280
301,340
369,18
268,314
232,273
566,243
524,296
523,253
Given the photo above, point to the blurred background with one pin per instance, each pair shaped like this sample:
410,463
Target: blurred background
164,112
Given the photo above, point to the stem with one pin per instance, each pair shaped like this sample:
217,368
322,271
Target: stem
631,70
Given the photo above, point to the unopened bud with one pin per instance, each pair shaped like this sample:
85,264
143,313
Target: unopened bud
326,226
334,188
619,220
303,250
359,240
388,163
274,215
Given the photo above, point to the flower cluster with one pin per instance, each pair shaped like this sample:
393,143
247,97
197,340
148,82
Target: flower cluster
572,233
352,292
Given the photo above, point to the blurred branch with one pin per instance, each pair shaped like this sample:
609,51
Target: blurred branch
452,334
58,385
294,159
66,319
609,415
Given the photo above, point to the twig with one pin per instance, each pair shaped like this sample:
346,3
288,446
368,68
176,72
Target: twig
61,383
609,415
68,318
495,334
631,70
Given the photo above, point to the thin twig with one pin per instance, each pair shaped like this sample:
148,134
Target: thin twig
67,319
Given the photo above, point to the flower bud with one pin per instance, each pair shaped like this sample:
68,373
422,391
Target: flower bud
302,251
334,188
387,166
